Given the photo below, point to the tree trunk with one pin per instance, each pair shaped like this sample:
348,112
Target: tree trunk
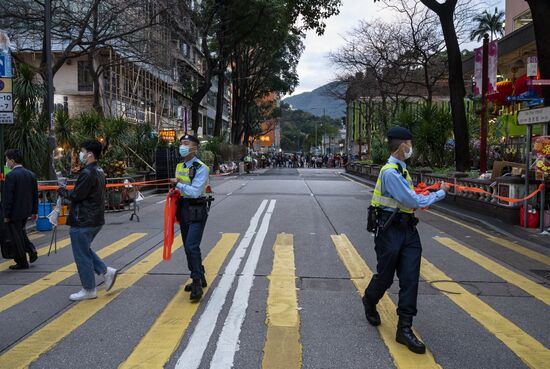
196,103
457,93
540,10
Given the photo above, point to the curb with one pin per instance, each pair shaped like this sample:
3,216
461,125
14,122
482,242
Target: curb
456,214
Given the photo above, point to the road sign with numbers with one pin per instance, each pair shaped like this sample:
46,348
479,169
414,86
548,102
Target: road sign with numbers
6,102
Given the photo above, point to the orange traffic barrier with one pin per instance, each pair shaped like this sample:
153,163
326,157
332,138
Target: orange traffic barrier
422,189
169,221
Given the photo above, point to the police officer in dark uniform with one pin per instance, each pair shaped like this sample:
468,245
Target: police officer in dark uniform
192,213
397,243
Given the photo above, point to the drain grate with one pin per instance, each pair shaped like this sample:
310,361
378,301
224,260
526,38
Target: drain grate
544,273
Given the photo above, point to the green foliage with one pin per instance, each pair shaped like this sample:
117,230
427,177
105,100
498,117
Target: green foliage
298,129
492,24
29,131
432,127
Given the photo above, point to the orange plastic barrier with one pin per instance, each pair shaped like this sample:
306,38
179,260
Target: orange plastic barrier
169,221
422,188
156,182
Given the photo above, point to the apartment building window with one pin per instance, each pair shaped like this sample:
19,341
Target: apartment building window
85,82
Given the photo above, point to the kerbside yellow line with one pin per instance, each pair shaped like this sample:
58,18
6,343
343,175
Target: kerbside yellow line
360,275
536,290
282,349
529,350
501,241
41,252
29,350
23,293
164,336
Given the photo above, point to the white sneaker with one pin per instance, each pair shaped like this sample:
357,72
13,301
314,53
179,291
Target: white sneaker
83,295
110,278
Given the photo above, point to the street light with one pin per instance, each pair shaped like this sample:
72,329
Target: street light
49,83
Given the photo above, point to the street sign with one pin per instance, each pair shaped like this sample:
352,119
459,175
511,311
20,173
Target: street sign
534,116
6,118
6,85
532,66
539,82
6,102
5,65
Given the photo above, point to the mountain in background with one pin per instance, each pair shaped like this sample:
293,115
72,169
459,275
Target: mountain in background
321,98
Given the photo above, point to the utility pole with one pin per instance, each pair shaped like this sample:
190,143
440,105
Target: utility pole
49,85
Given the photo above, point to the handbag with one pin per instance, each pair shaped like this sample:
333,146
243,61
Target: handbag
11,242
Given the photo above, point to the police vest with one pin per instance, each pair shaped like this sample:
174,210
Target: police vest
379,200
182,175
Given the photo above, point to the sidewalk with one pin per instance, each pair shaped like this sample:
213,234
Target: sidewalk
513,232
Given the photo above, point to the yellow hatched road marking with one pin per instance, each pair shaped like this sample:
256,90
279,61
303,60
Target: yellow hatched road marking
529,350
41,252
545,259
35,236
29,350
282,349
164,336
536,290
53,278
360,275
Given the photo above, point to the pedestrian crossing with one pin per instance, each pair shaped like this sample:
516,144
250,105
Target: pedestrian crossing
42,251
183,331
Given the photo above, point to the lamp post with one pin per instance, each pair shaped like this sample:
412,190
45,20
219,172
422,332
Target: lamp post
49,85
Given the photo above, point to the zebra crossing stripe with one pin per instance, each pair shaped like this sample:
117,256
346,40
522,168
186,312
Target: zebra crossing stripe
360,275
31,348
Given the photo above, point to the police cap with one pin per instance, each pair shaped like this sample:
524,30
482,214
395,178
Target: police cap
399,133
190,138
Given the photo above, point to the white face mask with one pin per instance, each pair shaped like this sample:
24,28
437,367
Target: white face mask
409,153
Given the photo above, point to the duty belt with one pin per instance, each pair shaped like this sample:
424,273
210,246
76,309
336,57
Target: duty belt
400,217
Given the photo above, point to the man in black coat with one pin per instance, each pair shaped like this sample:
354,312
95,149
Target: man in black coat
20,202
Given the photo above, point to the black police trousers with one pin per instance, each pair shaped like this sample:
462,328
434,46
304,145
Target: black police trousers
398,249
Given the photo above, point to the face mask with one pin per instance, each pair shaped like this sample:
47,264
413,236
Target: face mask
409,153
184,150
82,157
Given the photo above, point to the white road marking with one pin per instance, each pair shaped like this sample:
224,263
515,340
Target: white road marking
228,340
161,202
192,355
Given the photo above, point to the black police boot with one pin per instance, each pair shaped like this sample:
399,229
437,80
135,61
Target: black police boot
405,335
370,312
196,290
204,284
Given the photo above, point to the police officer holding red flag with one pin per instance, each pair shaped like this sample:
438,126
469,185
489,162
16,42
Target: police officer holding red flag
193,206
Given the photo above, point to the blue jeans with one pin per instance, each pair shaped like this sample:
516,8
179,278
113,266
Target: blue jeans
191,234
85,258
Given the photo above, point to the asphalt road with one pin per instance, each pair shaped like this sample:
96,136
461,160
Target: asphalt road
288,254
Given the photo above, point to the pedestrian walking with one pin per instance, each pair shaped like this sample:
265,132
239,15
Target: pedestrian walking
192,213
86,218
397,243
20,202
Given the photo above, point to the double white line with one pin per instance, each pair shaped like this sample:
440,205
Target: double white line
228,340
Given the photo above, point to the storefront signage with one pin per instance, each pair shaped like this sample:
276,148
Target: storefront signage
168,135
532,66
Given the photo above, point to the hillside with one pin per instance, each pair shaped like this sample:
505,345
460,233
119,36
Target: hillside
314,101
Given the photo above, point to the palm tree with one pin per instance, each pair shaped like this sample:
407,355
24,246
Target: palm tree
493,24
29,131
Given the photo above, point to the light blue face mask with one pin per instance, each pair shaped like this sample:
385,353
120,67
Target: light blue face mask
82,157
184,151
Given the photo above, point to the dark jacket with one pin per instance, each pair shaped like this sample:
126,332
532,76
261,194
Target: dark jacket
20,194
87,199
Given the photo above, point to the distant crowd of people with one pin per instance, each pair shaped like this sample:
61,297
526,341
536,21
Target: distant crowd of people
288,160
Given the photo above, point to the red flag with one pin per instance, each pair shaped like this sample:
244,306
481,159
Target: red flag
170,210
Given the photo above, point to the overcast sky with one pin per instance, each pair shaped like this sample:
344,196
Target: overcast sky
315,69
